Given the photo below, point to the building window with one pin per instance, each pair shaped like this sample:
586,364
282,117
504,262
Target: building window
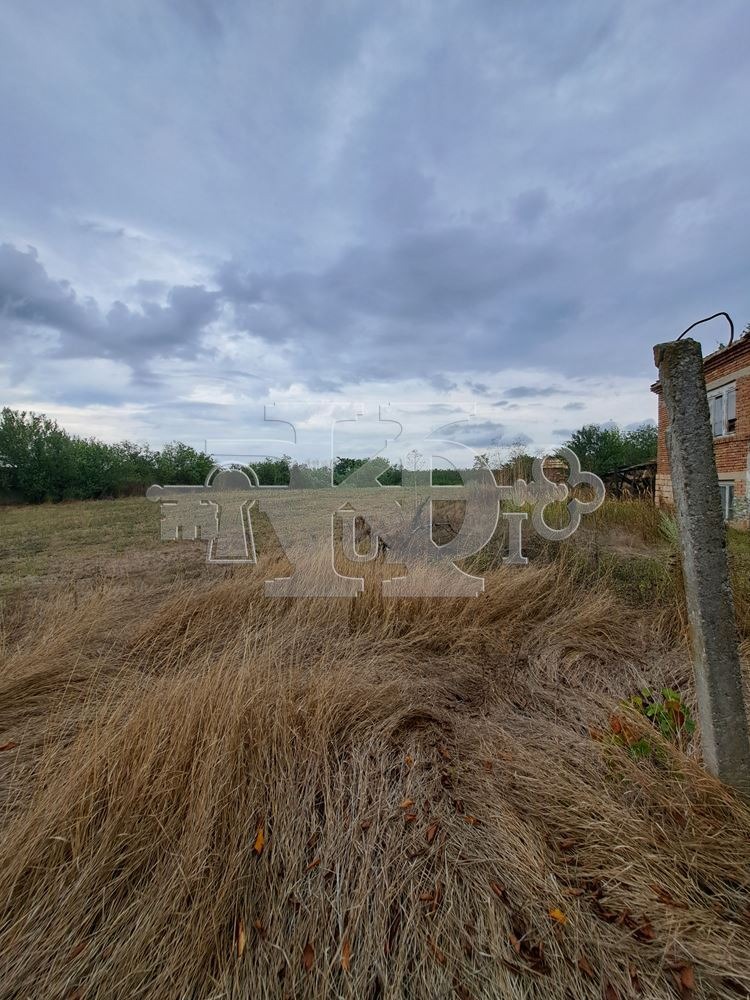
723,408
726,491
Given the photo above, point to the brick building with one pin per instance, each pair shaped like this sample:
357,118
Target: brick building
727,373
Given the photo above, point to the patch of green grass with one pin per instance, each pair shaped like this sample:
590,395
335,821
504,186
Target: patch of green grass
38,540
640,580
641,518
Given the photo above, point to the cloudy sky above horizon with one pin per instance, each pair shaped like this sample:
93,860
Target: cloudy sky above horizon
212,208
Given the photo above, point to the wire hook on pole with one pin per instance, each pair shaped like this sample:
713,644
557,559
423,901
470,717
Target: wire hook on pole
715,315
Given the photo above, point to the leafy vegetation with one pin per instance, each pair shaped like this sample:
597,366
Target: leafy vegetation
667,712
605,447
39,460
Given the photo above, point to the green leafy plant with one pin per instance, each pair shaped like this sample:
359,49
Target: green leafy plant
665,710
669,713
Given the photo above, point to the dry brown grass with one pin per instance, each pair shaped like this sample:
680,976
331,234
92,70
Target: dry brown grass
424,776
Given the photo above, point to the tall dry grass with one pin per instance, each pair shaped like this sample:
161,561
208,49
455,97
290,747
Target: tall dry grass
217,795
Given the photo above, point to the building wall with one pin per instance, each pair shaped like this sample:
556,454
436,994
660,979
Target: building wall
731,451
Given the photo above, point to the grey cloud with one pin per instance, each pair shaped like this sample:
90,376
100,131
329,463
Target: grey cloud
528,391
530,206
484,434
442,383
480,388
374,199
639,424
438,304
30,298
575,405
148,289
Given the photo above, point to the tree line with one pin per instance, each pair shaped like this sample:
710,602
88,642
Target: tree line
602,448
40,461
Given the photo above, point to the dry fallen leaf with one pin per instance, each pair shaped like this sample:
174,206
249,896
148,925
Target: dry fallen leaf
585,966
313,864
409,817
558,915
438,896
409,760
260,840
687,977
645,932
439,955
634,976
611,993
406,804
471,820
666,897
499,891
308,956
515,943
366,824
686,981
426,897
77,949
432,830
346,954
10,745
241,938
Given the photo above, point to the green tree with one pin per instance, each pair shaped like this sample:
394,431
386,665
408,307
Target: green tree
35,455
602,448
179,463
40,461
640,444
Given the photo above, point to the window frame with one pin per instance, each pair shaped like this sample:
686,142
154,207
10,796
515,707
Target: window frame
723,394
726,494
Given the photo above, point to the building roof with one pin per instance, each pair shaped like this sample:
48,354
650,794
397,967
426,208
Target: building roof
738,352
633,468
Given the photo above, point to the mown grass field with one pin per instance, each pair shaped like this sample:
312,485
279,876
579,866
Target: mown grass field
207,793
48,541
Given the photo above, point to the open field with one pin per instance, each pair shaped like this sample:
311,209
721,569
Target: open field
207,793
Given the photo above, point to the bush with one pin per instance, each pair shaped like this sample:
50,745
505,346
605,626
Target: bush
40,461
603,448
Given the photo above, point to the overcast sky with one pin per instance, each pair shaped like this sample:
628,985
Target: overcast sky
210,207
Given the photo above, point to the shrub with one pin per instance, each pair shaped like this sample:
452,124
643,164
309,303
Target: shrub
40,461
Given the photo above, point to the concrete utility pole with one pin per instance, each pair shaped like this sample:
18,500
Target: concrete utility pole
718,679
